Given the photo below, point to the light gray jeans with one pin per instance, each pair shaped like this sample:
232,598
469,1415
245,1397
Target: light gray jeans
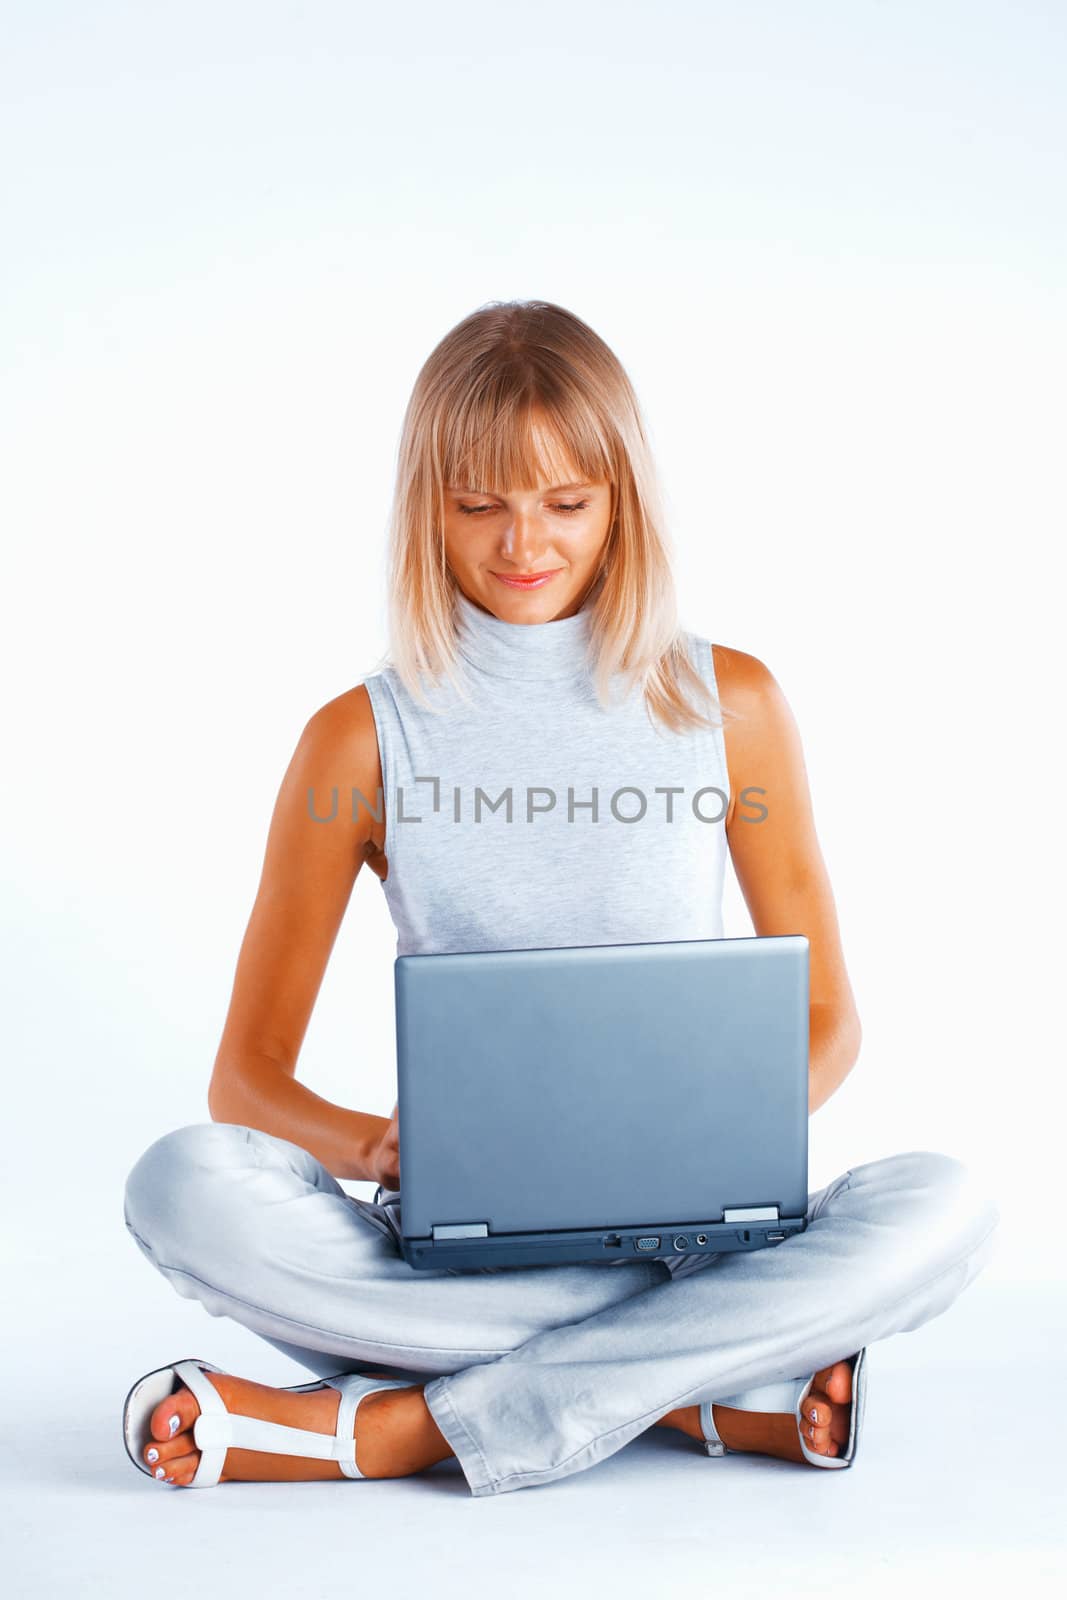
538,1372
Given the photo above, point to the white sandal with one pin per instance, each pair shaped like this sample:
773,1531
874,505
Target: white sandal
790,1395
216,1430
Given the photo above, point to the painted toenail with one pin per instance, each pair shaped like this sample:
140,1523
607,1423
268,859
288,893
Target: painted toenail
153,1455
174,1423
160,1473
814,1415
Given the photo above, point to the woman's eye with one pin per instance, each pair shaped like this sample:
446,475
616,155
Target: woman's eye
473,511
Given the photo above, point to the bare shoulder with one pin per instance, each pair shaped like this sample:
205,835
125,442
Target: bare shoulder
759,733
338,750
746,685
342,733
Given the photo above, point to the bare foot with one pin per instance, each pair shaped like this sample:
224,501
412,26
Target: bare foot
395,1433
774,1433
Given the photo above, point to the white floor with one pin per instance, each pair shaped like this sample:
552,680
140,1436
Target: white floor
959,1479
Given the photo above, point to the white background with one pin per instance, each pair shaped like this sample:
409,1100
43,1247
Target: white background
827,242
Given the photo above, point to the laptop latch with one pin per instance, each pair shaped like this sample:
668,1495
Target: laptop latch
460,1230
751,1214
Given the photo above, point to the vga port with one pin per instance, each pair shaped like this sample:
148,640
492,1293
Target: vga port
649,1242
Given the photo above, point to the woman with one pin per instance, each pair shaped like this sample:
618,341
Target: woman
535,643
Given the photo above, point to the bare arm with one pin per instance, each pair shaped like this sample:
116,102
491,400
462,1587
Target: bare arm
308,872
778,861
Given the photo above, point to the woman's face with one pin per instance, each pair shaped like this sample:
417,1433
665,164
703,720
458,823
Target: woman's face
557,532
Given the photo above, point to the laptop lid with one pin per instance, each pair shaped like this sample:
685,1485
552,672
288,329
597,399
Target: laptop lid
602,1086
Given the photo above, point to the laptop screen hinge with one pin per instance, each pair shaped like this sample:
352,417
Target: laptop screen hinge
751,1214
460,1230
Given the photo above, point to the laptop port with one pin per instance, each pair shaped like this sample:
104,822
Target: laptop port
613,1239
649,1242
702,1238
681,1242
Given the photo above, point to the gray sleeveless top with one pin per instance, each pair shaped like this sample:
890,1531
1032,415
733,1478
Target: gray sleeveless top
534,818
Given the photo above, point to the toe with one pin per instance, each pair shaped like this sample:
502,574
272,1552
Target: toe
817,1409
838,1383
162,1452
835,1382
176,1414
817,1416
181,1470
832,1403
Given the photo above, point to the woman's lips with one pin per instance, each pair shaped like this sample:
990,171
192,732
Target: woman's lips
534,580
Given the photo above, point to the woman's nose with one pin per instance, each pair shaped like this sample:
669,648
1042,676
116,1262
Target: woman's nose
523,540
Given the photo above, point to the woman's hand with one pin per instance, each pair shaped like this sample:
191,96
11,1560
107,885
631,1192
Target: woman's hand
385,1155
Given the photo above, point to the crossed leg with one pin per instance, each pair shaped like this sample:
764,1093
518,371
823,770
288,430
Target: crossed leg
534,1373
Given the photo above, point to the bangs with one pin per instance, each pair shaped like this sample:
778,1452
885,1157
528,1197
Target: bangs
500,443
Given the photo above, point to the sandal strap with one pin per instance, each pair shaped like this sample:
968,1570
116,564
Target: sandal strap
354,1387
785,1395
217,1430
713,1445
212,1455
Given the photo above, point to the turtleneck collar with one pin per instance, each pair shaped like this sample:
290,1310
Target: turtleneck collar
532,650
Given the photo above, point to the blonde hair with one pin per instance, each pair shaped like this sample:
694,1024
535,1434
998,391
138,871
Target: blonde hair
503,380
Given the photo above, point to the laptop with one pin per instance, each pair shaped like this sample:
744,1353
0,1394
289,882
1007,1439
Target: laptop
601,1103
